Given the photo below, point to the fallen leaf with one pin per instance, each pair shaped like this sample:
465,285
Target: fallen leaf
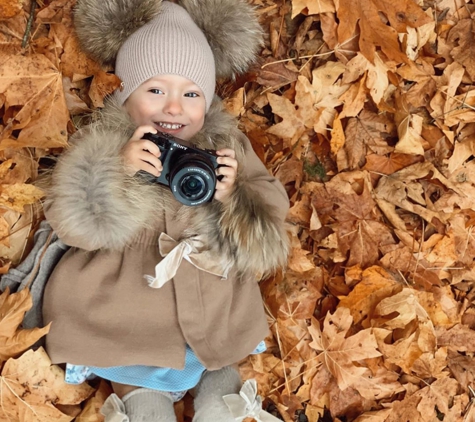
375,285
374,33
30,385
460,338
14,340
102,85
338,352
312,7
90,412
463,34
16,196
33,83
10,8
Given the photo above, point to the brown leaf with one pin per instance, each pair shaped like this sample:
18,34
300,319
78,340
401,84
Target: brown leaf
75,63
14,340
30,386
376,284
102,85
275,75
374,33
312,7
365,133
405,410
389,164
90,411
375,76
338,352
293,125
36,85
316,102
436,398
460,338
464,53
359,222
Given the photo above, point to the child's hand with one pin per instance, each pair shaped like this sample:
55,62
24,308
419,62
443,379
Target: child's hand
142,154
229,173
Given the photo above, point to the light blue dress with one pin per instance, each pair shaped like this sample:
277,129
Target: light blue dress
175,381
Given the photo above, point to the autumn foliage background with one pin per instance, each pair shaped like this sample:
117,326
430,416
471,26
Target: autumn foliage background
364,109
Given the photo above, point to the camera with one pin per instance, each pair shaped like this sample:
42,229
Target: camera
187,170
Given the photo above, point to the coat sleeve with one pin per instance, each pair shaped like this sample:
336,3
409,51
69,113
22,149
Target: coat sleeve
91,203
249,225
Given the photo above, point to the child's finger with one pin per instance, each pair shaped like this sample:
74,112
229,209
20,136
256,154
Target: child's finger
228,152
229,173
228,161
141,131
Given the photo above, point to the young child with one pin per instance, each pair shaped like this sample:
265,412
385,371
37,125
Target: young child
155,296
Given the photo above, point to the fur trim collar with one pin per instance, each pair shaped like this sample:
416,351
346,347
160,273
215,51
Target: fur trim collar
93,204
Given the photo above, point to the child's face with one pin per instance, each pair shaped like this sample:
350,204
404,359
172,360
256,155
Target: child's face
170,103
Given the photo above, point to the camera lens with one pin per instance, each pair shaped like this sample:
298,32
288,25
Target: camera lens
192,186
192,180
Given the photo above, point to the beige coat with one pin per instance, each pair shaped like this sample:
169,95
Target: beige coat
103,311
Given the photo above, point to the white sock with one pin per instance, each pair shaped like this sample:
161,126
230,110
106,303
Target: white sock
209,403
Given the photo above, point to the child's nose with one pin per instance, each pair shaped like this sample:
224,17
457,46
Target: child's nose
173,107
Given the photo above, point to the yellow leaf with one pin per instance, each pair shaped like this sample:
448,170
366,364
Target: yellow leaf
35,84
30,385
16,196
14,340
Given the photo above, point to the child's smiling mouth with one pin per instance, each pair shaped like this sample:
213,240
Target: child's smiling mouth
170,126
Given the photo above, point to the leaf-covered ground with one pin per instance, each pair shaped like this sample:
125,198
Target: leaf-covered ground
365,110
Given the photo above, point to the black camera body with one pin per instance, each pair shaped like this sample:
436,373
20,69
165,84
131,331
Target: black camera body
189,172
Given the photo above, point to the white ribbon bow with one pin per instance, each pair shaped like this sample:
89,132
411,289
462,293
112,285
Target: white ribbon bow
193,250
114,410
247,404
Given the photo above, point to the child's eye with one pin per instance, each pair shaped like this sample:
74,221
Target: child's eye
192,94
155,91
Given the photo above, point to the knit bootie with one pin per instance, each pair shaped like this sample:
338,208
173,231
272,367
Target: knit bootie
140,405
209,403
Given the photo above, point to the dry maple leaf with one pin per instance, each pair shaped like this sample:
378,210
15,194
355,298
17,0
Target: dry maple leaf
376,284
460,338
375,33
16,196
13,340
464,32
313,7
30,386
90,412
35,84
360,229
365,133
376,76
338,352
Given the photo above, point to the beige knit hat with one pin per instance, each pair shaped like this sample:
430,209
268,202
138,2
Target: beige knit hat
199,39
171,43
